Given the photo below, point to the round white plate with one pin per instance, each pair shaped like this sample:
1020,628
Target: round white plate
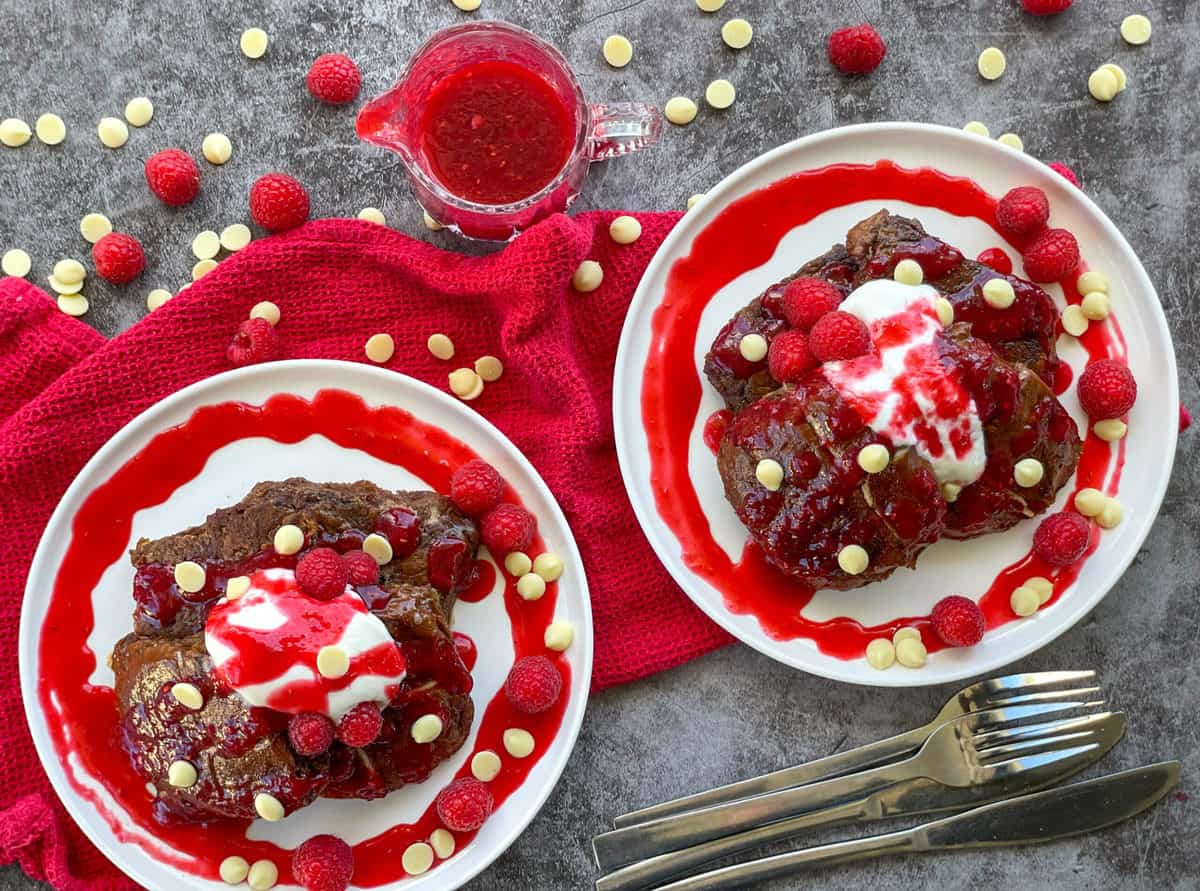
225,479
948,566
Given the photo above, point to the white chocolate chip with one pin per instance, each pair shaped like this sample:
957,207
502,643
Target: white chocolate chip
518,743
945,311
157,298
625,229
531,586
710,5
991,63
253,43
908,632
1111,429
1025,601
234,870
489,369
517,563
372,215
617,50
441,346
182,774
720,93
262,876
769,473
380,348
417,857
874,458
680,110
203,268
112,132
190,576
1043,586
695,199
288,540
1012,140
16,263
753,347
1074,322
237,586
737,33
475,392
14,132
463,381
94,226
587,277
998,293
139,111
1095,306
549,566
1102,84
1112,514
426,729
430,223
951,491
216,148
64,288
1028,472
378,547
1089,502
908,272
559,635
188,695
266,310
1135,29
853,559
911,652
50,129
485,766
978,128
467,5
332,662
1119,73
881,653
73,304
206,245
1092,280
442,843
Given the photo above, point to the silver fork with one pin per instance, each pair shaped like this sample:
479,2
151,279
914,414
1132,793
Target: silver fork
1013,689
976,748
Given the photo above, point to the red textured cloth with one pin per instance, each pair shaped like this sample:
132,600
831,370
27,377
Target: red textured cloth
64,391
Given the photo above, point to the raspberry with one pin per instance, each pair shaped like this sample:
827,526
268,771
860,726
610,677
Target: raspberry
838,335
255,341
1022,211
322,574
508,528
856,50
1052,255
323,863
1061,539
173,176
1044,7
806,299
278,202
533,685
476,487
334,78
310,733
1106,389
788,358
119,258
1185,418
1065,172
449,564
361,725
464,805
402,528
958,621
361,568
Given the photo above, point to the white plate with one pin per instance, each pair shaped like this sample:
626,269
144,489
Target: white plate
226,478
947,566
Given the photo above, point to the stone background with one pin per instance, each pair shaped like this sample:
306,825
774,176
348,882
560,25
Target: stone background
734,713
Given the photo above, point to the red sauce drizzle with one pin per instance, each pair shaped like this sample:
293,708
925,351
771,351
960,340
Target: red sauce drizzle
996,258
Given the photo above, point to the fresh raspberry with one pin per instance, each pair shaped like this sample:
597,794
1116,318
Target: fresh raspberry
958,621
361,568
1106,389
402,528
1062,538
255,341
464,805
1044,7
533,685
323,863
1022,211
322,574
278,202
449,564
173,176
334,78
476,487
856,50
310,733
1065,172
508,528
1185,418
1052,255
806,299
838,335
361,725
788,358
118,257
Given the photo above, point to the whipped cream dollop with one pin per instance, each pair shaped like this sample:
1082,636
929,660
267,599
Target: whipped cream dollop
903,390
266,645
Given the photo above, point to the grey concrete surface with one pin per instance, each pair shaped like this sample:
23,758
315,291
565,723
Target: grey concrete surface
733,713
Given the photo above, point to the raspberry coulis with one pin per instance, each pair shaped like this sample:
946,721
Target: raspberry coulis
82,717
743,237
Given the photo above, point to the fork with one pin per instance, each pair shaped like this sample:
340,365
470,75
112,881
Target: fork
1010,690
973,749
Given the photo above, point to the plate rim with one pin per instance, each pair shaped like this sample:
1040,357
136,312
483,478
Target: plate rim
625,374
28,633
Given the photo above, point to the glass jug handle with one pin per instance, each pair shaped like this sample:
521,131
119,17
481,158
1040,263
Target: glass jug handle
621,128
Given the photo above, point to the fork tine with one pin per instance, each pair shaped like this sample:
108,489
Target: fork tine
1044,696
990,738
1014,766
998,718
1015,684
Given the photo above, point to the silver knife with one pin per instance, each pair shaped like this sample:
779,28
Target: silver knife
1030,819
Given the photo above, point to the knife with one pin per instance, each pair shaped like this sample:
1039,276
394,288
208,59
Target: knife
1029,819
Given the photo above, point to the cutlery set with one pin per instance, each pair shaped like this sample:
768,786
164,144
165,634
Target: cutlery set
987,754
